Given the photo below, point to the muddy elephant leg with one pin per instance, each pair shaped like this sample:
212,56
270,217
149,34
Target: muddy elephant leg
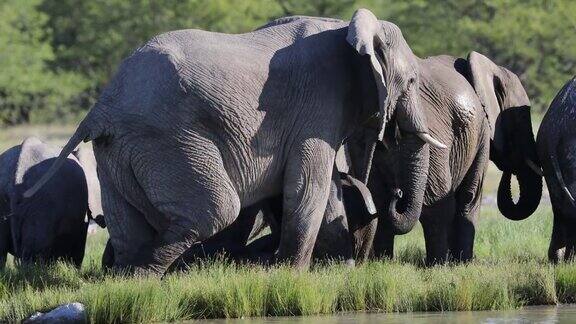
306,188
468,201
436,222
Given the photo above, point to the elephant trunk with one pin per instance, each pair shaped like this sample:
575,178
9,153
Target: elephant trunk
406,204
530,193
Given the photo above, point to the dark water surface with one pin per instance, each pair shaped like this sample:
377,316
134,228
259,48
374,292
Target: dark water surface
536,314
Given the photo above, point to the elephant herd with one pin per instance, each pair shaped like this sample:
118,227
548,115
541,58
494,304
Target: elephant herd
308,138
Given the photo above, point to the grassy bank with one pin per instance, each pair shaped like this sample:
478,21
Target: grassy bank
510,271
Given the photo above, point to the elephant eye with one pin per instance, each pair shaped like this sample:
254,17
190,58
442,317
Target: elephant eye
411,82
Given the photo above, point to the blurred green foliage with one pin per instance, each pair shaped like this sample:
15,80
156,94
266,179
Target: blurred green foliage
56,55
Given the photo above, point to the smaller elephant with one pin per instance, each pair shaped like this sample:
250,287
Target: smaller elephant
344,233
556,143
51,225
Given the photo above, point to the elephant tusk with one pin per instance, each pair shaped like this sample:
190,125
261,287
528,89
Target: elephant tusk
567,192
534,167
431,140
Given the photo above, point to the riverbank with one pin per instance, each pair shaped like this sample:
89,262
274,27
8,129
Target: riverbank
510,271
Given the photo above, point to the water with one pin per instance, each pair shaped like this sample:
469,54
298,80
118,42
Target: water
537,314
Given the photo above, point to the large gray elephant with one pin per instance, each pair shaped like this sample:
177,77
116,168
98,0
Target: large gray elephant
51,225
557,150
480,111
196,125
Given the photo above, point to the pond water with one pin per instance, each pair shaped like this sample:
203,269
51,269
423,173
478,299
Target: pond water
536,314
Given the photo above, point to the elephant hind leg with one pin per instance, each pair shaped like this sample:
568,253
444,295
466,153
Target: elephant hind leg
194,195
128,227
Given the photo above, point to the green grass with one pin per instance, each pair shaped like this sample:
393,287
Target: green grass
509,271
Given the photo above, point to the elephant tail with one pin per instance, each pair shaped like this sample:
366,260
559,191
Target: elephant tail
82,134
560,178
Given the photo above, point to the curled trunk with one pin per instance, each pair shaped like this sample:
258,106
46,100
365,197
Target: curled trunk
530,193
412,174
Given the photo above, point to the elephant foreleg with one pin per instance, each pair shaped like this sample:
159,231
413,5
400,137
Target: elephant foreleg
468,201
557,248
436,221
383,241
306,187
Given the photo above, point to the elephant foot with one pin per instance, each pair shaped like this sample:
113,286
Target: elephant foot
435,260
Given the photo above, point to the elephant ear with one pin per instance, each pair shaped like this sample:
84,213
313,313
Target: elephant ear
488,86
497,88
32,152
88,163
362,189
363,34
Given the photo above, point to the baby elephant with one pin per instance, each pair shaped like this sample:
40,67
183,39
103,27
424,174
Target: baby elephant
51,225
557,151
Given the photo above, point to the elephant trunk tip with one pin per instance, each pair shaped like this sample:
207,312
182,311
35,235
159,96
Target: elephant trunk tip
402,223
530,184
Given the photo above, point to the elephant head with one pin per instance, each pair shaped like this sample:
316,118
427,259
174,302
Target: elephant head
395,71
512,146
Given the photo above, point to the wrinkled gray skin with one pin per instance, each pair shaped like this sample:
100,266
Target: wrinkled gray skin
196,125
51,225
481,112
557,150
340,237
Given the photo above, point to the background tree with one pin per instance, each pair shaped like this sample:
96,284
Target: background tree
28,89
56,55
